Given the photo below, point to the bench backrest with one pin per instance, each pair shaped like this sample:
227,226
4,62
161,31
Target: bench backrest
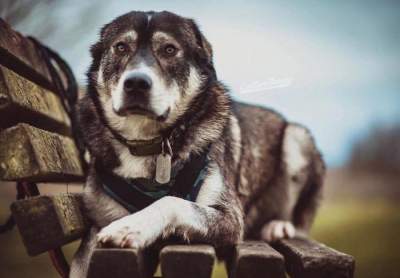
35,140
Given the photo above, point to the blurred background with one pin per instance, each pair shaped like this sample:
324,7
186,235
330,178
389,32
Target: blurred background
333,66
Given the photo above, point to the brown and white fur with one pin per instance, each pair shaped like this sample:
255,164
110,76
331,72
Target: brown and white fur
264,175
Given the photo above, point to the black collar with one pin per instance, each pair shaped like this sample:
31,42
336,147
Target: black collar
140,147
144,147
136,194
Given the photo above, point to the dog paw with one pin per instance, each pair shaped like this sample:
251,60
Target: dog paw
127,232
277,229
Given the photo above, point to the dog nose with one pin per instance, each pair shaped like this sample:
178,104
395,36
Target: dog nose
137,83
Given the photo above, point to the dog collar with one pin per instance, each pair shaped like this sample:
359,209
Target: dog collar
144,147
158,146
139,147
136,194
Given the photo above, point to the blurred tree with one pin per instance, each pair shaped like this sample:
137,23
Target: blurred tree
379,151
54,22
21,12
65,26
16,11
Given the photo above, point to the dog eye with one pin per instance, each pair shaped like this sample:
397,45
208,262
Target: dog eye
121,47
170,49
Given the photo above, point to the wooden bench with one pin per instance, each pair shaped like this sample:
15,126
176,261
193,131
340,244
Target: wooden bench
300,257
37,145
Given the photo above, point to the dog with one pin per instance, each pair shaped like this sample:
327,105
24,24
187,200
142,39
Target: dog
173,156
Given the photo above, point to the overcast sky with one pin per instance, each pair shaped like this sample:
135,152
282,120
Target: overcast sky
331,65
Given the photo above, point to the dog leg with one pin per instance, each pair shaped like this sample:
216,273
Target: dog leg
80,262
304,211
172,215
293,197
309,199
295,160
216,218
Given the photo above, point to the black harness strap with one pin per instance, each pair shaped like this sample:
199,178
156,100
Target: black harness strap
135,195
186,179
123,192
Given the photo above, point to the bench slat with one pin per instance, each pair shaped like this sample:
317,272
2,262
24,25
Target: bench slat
121,263
23,101
47,222
31,154
22,48
180,261
256,259
308,258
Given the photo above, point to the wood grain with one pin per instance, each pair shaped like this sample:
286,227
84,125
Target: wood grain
31,154
121,263
308,258
47,222
17,45
179,261
256,259
24,101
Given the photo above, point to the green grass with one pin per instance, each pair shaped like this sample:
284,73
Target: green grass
369,230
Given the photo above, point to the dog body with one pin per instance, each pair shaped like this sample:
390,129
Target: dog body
152,75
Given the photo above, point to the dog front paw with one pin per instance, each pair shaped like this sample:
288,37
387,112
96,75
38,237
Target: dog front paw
129,232
120,234
277,229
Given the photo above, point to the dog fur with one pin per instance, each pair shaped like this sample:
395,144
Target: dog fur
264,176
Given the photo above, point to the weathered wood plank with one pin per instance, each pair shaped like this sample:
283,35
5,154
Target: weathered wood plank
47,222
256,259
31,154
120,263
180,261
23,101
307,258
22,48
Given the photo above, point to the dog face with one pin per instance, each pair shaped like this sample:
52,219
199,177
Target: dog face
148,66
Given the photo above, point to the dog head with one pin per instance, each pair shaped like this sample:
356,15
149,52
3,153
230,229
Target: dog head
147,67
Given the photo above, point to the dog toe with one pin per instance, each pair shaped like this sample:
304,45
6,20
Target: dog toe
289,230
277,229
111,236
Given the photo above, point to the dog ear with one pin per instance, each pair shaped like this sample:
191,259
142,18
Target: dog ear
96,50
202,41
207,47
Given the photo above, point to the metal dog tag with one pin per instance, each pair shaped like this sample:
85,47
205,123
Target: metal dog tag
163,168
163,164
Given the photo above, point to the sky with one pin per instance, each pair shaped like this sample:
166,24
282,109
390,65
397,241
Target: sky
333,66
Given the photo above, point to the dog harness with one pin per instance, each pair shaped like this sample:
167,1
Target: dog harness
136,194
